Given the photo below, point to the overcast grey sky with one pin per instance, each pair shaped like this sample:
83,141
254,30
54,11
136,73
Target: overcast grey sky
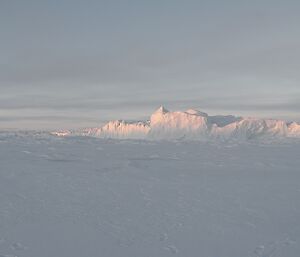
78,63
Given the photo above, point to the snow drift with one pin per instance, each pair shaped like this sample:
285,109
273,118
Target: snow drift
193,125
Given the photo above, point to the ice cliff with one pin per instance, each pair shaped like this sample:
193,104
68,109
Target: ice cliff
194,125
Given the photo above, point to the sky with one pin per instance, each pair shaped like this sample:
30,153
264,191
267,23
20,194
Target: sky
74,64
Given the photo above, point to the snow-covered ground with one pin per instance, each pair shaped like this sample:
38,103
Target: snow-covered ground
90,197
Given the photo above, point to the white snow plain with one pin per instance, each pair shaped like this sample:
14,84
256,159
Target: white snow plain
90,197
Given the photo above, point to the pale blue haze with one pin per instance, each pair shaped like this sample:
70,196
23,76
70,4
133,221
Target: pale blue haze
71,64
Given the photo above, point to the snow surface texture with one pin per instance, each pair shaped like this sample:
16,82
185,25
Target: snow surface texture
84,196
193,125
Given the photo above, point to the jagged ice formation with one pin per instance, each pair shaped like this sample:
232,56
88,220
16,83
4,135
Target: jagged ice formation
193,125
